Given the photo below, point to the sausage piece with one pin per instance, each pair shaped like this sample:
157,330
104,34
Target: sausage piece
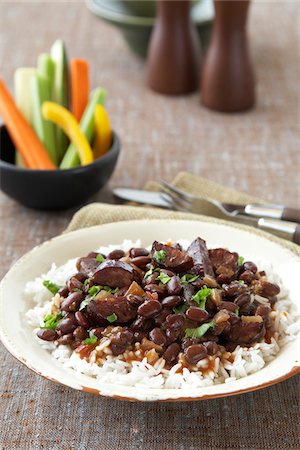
223,261
173,258
98,310
114,274
202,264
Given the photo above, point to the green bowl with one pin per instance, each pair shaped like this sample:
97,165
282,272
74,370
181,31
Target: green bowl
135,19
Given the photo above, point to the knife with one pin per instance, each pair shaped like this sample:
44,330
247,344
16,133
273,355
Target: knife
291,229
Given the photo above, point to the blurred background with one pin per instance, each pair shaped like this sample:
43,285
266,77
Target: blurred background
255,151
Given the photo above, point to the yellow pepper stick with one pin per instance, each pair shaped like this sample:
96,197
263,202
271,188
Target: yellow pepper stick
103,134
65,120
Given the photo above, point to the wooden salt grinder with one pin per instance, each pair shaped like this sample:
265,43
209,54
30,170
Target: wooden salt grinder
227,76
174,50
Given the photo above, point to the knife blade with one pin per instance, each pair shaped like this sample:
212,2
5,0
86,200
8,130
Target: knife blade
140,196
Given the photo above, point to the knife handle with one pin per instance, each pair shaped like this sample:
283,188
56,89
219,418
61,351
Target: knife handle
290,229
291,214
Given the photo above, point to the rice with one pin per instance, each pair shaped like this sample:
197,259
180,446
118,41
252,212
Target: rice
229,367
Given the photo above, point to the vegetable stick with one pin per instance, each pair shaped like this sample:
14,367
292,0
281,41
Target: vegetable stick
103,134
21,133
60,92
87,126
80,86
46,67
64,119
22,79
41,92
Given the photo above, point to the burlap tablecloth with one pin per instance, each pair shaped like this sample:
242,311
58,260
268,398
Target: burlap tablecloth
60,418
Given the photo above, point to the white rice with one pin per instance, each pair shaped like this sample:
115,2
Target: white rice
230,367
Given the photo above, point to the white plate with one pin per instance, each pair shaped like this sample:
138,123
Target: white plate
18,338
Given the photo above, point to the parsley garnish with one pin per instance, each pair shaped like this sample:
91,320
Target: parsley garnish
50,321
201,296
241,282
188,278
77,290
160,255
100,258
85,303
94,290
86,282
92,339
241,260
150,272
163,278
236,312
180,309
200,331
52,287
112,318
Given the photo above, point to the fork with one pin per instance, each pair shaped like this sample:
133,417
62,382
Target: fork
183,201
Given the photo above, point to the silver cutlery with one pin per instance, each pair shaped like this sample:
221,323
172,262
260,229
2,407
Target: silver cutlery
173,198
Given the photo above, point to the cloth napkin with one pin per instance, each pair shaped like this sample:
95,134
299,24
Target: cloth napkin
100,213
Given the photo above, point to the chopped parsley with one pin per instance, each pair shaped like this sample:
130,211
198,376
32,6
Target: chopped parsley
85,303
180,309
112,318
201,296
100,258
94,290
50,321
236,312
241,260
160,255
92,339
241,282
150,272
52,287
200,331
188,278
86,282
163,278
77,290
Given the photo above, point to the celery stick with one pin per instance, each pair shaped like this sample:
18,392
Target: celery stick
87,126
22,79
45,67
60,92
41,92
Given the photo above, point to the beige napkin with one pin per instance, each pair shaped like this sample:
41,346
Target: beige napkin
100,213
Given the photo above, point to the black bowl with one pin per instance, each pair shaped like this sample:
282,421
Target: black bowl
53,189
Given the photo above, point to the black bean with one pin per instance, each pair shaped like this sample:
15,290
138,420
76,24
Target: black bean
151,279
172,300
141,324
174,286
247,276
249,265
266,289
141,261
229,306
80,276
194,353
47,335
263,310
117,349
138,336
98,332
234,289
138,251
67,325
66,339
150,308
211,347
80,333
175,321
158,336
171,353
160,290
173,335
81,319
197,314
73,283
161,317
116,254
72,302
64,291
242,299
123,338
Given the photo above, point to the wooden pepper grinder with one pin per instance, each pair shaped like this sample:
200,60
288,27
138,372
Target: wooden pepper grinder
174,50
227,77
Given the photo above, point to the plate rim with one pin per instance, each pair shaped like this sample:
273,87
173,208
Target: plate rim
295,369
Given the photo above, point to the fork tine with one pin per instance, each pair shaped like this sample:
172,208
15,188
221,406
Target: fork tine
184,203
173,202
182,194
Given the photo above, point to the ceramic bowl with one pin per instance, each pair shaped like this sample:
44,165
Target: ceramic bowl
53,189
135,19
18,337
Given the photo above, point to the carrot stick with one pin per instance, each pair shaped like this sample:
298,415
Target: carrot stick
21,133
80,86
